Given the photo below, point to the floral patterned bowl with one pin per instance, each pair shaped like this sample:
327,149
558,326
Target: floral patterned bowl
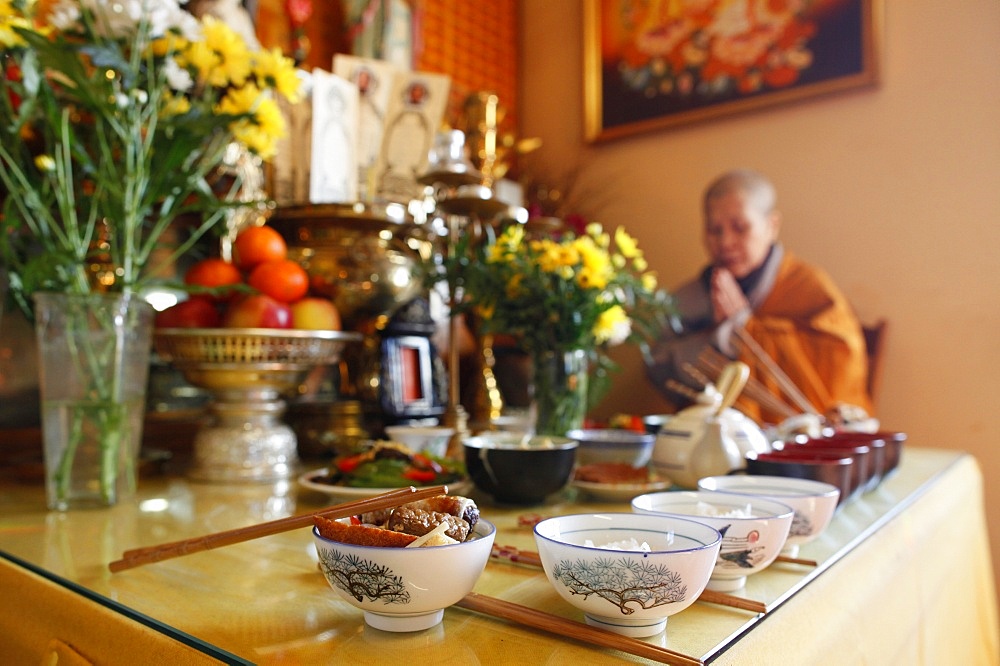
594,562
405,589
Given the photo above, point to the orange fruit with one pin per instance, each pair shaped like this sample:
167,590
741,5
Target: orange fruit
283,280
256,245
214,274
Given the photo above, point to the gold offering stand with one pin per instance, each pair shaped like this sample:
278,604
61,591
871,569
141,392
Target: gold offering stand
463,195
365,257
248,372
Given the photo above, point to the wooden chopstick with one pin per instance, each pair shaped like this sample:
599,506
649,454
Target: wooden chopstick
530,558
796,560
555,624
147,555
712,361
723,599
787,385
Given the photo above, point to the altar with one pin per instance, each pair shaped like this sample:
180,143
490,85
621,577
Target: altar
902,575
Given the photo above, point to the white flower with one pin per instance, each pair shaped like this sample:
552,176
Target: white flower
178,78
121,18
65,16
620,333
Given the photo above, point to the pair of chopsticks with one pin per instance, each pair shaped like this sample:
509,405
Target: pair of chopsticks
712,362
784,381
139,556
529,558
555,624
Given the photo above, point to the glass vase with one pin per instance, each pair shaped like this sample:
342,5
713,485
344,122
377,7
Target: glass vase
560,391
93,353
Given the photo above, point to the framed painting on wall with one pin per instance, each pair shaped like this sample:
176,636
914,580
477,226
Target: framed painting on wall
651,64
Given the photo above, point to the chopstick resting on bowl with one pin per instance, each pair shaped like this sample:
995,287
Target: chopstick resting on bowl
139,556
530,558
555,624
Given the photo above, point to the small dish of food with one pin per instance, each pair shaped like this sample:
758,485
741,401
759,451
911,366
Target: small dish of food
382,467
616,482
402,567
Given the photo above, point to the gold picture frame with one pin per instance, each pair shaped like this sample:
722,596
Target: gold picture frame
653,64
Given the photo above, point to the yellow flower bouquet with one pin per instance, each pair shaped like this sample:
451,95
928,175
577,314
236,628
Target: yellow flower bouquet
114,120
565,300
114,116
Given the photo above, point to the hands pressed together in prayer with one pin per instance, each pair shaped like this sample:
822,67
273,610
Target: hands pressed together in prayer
727,297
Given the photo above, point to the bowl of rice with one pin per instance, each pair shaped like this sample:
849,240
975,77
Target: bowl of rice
814,502
627,572
753,529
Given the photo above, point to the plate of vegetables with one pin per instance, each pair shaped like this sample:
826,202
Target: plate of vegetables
383,467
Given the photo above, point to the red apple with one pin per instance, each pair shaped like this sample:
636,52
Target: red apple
195,312
258,311
315,314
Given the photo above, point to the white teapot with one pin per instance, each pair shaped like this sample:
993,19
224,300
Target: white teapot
709,438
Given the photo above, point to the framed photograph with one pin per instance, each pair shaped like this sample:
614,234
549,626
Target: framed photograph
651,64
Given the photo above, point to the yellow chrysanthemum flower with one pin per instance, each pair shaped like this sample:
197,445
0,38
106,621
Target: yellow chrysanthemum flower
168,44
222,57
627,245
269,118
174,105
514,286
550,258
597,269
241,101
612,326
11,18
274,70
649,282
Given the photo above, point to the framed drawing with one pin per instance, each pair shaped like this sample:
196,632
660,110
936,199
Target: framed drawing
651,64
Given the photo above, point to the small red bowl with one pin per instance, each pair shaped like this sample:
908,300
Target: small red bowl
893,444
835,470
869,460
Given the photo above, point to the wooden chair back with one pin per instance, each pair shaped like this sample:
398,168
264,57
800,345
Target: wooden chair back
875,344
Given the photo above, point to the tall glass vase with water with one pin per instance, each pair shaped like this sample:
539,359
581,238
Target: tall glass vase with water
93,362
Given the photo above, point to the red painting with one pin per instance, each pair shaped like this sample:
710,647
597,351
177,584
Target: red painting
657,63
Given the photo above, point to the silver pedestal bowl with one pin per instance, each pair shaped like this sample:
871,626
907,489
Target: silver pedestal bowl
248,371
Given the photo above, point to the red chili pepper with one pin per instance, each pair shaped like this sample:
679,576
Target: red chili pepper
423,462
419,475
348,465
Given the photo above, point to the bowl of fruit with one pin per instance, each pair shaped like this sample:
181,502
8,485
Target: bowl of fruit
249,333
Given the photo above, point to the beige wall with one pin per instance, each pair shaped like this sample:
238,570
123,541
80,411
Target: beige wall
895,190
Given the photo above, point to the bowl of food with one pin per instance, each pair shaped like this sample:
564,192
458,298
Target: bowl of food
519,469
627,572
753,529
422,439
613,445
814,502
403,567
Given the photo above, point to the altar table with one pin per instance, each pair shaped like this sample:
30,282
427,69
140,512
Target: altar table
903,576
